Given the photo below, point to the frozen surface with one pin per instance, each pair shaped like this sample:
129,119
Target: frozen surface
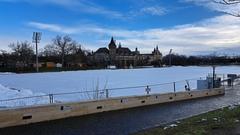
10,93
92,80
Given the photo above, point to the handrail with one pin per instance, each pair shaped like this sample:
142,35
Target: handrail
100,94
109,89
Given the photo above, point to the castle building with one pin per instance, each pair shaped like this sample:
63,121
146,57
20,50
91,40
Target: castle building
123,57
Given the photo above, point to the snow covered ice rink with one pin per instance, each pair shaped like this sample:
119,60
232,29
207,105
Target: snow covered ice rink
33,84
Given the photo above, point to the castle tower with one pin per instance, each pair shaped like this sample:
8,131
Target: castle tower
119,45
136,51
157,55
112,44
156,51
112,51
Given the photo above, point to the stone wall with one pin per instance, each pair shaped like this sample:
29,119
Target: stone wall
27,115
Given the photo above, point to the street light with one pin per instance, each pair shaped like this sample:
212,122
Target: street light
36,39
213,78
170,57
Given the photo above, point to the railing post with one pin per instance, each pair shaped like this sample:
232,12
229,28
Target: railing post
174,87
148,90
107,93
50,98
223,80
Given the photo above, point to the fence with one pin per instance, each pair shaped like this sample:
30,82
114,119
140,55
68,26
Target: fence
98,94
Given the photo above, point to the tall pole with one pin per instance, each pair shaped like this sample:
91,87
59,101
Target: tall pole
170,58
36,40
213,81
37,68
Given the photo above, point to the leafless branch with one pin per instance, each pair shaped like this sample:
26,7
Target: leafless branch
226,2
232,14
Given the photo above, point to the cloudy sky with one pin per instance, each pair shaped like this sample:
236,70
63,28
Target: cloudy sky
189,27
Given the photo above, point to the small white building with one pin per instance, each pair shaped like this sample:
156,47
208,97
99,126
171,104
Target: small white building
58,65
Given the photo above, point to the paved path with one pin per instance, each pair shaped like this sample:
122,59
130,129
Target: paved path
126,121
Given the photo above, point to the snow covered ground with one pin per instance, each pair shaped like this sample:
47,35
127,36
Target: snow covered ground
32,84
11,93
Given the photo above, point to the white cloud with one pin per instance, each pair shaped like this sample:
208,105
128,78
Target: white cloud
154,10
52,27
209,35
87,6
77,5
233,9
90,7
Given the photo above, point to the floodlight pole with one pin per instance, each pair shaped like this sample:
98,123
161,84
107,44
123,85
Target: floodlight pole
36,40
37,68
170,58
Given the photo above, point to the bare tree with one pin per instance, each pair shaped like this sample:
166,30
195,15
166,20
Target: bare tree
63,45
50,50
78,54
76,48
4,58
229,3
23,52
67,49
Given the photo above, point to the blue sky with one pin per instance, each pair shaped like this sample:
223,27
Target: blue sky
186,26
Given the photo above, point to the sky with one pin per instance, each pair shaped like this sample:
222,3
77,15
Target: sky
189,27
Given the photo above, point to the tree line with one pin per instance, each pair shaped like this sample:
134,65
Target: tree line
69,54
62,49
212,59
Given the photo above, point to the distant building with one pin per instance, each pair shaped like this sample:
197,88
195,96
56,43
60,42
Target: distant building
123,57
50,64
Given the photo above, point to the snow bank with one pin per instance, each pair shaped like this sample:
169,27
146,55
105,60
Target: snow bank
6,73
6,94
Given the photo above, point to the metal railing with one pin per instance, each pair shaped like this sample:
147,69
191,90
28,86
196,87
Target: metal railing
98,94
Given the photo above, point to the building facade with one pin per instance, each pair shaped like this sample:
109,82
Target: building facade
123,57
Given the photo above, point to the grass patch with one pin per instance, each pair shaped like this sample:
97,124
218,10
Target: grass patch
223,121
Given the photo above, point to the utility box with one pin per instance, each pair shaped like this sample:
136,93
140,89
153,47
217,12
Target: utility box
202,84
208,83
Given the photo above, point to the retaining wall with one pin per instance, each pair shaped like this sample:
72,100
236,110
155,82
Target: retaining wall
27,115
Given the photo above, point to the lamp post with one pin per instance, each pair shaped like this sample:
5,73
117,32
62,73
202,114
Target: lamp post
36,39
213,81
170,57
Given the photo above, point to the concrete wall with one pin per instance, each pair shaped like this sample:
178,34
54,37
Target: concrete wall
21,116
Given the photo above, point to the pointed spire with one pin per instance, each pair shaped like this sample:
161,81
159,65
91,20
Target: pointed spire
136,49
157,47
119,45
112,44
112,41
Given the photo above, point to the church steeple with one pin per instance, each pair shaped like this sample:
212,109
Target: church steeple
112,44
